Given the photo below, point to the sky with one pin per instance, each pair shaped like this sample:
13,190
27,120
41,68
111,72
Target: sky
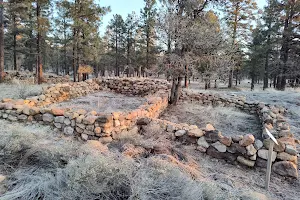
124,7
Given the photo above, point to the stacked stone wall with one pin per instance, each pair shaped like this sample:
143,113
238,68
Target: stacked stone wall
81,123
247,150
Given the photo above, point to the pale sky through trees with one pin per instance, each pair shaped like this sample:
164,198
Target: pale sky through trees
124,7
121,7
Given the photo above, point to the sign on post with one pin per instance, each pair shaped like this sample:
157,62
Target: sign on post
270,153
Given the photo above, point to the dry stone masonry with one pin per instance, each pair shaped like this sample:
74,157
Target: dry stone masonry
90,125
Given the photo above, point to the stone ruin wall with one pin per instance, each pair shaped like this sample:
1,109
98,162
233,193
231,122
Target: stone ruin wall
246,150
81,123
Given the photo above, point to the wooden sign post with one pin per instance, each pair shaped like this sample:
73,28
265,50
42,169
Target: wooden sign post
270,153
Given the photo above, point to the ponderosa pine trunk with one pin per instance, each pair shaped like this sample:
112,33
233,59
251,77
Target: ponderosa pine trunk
1,43
39,67
15,43
175,90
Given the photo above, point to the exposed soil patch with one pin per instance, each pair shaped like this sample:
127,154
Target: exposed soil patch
105,102
230,121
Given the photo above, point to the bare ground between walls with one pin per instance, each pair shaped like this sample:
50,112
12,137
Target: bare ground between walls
230,121
104,102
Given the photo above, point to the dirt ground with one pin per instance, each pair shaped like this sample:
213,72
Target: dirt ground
290,98
104,102
230,121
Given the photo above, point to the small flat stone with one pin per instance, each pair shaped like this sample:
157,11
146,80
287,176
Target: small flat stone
202,142
286,157
47,117
84,136
251,150
59,119
180,133
244,161
247,140
290,150
253,157
212,136
258,144
89,120
209,127
237,148
219,146
237,138
225,140
263,153
57,111
58,125
68,130
196,132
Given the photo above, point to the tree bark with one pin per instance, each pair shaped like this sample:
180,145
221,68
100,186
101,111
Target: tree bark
186,77
15,43
39,67
66,67
1,43
266,72
284,52
175,90
74,55
237,7
230,78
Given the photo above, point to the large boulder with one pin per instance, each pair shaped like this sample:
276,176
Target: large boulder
285,168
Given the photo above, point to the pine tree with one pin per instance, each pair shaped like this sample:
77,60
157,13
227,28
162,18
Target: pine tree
238,15
116,31
43,24
291,11
63,30
131,24
148,20
86,17
270,31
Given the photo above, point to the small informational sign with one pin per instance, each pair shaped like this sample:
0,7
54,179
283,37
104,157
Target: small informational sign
271,136
270,154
